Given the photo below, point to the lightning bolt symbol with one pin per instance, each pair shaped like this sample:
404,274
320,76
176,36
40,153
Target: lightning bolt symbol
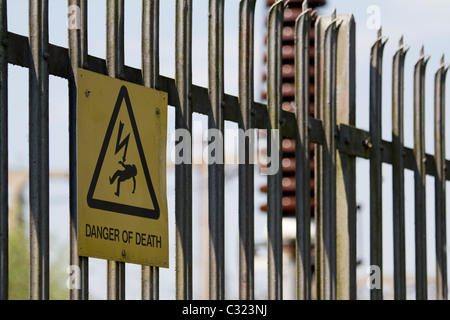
122,144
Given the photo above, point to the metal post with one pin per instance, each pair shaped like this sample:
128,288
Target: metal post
246,170
398,175
318,244
4,215
376,224
326,46
78,56
274,188
303,175
216,169
39,150
346,164
420,177
115,66
440,183
150,77
183,171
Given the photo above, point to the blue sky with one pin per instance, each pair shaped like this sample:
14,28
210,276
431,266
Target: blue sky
420,22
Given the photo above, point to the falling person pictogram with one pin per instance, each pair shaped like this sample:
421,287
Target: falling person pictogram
130,172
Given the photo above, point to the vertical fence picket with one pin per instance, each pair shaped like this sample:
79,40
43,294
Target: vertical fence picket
183,171
84,261
346,164
440,182
398,175
39,150
302,157
326,46
246,168
150,76
420,177
274,186
4,215
376,224
78,58
216,174
115,66
318,243
84,33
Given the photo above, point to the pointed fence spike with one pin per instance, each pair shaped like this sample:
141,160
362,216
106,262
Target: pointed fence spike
305,5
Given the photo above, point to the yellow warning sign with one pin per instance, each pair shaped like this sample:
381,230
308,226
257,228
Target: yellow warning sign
122,201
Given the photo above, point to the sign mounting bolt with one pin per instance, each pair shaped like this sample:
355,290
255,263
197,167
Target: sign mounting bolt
367,143
124,253
87,93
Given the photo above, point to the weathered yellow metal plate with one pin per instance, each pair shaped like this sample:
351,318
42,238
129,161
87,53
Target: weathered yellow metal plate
122,200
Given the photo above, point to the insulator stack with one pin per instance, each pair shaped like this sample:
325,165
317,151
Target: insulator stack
291,13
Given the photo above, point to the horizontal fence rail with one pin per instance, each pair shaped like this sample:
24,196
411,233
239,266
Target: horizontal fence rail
338,143
351,140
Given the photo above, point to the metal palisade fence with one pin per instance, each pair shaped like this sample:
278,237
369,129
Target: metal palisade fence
337,145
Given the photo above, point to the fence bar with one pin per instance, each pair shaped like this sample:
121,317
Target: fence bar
326,46
4,215
84,33
274,187
39,150
216,174
420,177
303,175
115,66
398,174
150,76
328,172
318,59
440,183
78,55
84,261
246,168
376,224
346,164
200,97
183,171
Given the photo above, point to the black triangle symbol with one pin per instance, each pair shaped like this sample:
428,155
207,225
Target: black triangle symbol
113,206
